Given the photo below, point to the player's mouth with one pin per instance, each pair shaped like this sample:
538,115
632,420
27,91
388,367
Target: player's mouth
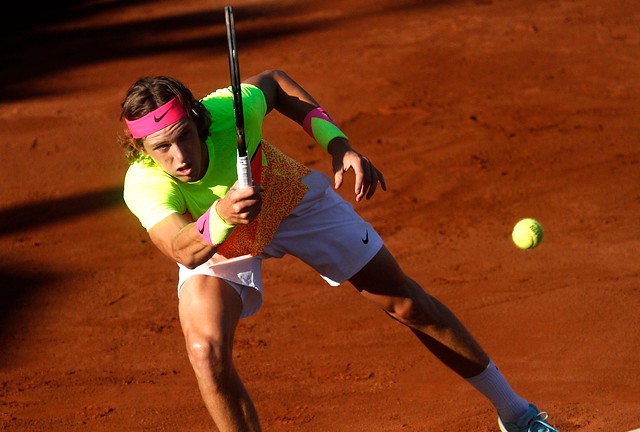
185,170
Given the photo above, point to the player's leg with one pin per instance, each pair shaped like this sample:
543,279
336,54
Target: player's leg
209,312
327,234
384,282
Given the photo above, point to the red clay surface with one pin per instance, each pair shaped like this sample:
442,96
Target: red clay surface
479,113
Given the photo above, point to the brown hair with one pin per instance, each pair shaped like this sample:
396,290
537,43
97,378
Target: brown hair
147,94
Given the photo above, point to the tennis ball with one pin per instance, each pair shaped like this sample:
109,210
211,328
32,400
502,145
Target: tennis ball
527,233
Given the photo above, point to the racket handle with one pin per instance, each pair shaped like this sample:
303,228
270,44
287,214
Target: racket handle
244,171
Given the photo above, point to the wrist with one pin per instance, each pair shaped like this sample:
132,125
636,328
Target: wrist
212,227
321,127
338,146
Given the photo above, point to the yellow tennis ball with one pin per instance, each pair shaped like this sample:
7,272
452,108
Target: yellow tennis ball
527,233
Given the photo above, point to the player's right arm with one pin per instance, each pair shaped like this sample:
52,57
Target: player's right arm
183,241
178,238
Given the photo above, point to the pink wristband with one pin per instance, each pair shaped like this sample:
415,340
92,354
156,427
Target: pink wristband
321,127
202,225
318,112
221,229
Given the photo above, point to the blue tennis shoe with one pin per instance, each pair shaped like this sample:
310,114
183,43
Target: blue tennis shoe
533,420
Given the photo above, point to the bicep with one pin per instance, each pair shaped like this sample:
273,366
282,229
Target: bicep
282,93
269,87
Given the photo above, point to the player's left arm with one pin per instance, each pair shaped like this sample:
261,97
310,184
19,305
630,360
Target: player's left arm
286,96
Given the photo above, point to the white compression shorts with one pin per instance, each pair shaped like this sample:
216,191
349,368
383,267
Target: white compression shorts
324,231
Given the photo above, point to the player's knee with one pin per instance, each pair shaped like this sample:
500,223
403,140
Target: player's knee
412,307
406,310
209,357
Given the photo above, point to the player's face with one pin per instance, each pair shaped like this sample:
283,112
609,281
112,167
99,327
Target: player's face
178,151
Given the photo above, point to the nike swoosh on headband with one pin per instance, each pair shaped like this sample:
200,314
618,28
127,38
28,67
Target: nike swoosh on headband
157,119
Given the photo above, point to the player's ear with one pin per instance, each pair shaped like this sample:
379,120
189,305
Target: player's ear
138,144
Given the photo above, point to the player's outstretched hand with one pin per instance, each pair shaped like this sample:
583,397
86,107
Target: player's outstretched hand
240,205
367,175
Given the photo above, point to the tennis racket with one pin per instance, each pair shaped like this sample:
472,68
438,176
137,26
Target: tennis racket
243,164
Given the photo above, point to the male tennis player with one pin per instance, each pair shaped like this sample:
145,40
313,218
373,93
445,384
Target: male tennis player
181,184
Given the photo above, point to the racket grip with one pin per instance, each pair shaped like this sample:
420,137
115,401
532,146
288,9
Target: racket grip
244,171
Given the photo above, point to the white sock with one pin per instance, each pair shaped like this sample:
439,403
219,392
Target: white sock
495,387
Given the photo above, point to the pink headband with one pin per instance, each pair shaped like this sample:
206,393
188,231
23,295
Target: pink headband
157,119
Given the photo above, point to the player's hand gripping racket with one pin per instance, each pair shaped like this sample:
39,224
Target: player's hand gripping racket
243,164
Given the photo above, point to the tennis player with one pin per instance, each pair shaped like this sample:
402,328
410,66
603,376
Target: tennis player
181,184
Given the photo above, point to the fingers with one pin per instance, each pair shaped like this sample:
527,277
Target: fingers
363,178
337,178
383,184
367,176
241,206
368,180
375,178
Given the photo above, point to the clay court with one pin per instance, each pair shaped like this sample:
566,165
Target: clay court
479,113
